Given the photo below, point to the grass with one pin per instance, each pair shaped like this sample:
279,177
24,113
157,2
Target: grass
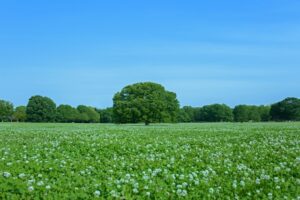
163,161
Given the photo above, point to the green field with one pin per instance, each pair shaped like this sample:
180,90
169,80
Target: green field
167,161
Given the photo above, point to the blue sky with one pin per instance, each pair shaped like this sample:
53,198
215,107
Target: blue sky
83,52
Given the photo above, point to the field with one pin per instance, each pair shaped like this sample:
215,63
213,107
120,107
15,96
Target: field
168,161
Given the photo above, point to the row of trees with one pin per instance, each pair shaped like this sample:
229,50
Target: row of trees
285,110
223,113
43,109
148,103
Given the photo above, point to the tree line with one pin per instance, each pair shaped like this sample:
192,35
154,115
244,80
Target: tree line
147,102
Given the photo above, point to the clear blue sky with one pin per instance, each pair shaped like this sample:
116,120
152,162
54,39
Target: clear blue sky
83,52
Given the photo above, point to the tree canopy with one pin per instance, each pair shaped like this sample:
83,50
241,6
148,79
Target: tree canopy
106,115
246,113
145,102
20,114
187,114
41,109
215,113
287,109
66,113
88,114
6,110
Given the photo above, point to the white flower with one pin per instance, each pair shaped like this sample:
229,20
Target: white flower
114,193
22,175
97,193
181,192
257,181
205,173
181,176
40,183
234,185
277,169
173,176
266,177
30,188
270,195
135,190
148,193
48,187
6,174
136,185
242,183
178,191
127,176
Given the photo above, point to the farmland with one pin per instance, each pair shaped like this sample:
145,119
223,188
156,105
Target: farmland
160,161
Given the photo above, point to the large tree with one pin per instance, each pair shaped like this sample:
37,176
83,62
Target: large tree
6,110
287,109
20,114
66,113
41,109
145,102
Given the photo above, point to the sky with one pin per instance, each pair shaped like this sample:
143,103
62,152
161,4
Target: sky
83,52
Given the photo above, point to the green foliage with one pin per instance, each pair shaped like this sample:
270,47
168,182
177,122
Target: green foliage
20,114
41,109
215,113
88,114
287,109
264,113
106,115
197,115
6,110
145,102
186,114
246,113
178,161
66,113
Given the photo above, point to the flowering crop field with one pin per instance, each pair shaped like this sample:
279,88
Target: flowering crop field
167,161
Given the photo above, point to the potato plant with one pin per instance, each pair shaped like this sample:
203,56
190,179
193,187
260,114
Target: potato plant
161,161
